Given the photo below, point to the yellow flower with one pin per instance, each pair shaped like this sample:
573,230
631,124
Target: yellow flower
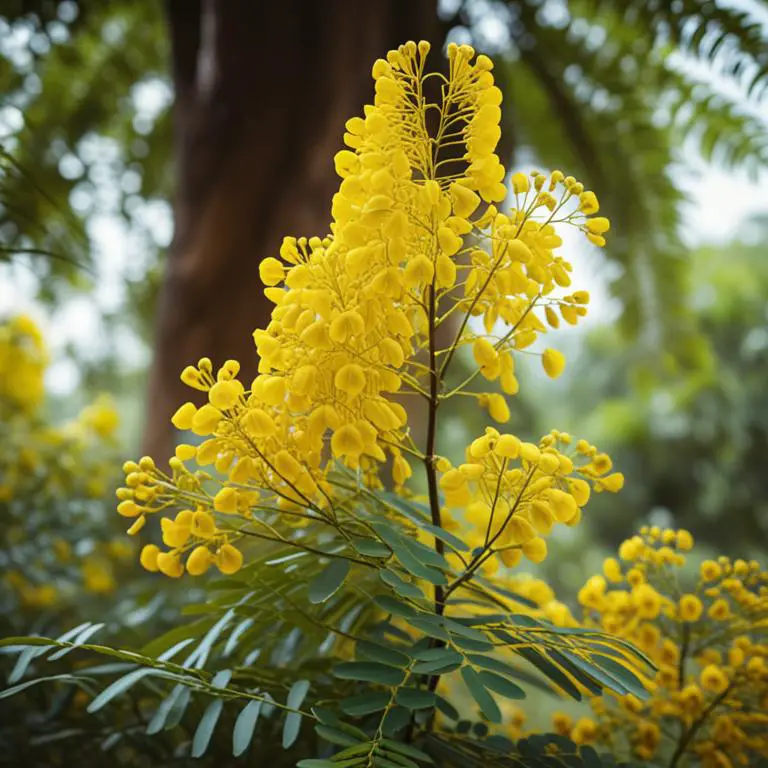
354,325
169,563
553,362
613,483
631,549
229,560
710,570
713,679
612,569
585,731
646,600
690,608
535,549
149,557
199,561
719,610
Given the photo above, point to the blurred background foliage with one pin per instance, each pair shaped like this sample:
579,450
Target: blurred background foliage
669,378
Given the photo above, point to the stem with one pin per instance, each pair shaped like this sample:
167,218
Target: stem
487,550
429,457
467,315
687,736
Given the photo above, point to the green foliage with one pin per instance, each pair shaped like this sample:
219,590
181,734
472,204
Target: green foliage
76,102
691,445
253,648
255,673
615,90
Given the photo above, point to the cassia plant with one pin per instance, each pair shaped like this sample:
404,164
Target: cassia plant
349,599
709,706
53,478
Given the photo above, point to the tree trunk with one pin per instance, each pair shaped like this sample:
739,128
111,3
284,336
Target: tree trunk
262,93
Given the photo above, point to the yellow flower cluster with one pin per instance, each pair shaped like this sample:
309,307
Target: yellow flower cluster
416,241
710,703
23,359
49,475
514,492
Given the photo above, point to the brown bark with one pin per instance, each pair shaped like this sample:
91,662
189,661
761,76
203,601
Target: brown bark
262,93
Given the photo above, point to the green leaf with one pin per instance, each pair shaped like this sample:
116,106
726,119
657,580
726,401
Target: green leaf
484,699
292,723
402,587
365,703
124,683
178,708
221,679
245,726
407,749
414,557
494,664
394,606
447,708
328,581
395,720
393,758
13,690
439,533
501,685
417,568
199,656
371,548
414,698
382,653
472,645
582,671
382,762
185,631
468,638
430,654
158,720
81,638
291,729
235,635
205,728
625,676
369,672
606,672
455,628
427,555
413,510
30,653
297,694
441,666
549,670
430,625
312,763
357,750
326,716
117,688
335,736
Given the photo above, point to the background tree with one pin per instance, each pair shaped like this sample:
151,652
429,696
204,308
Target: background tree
592,86
262,93
689,445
